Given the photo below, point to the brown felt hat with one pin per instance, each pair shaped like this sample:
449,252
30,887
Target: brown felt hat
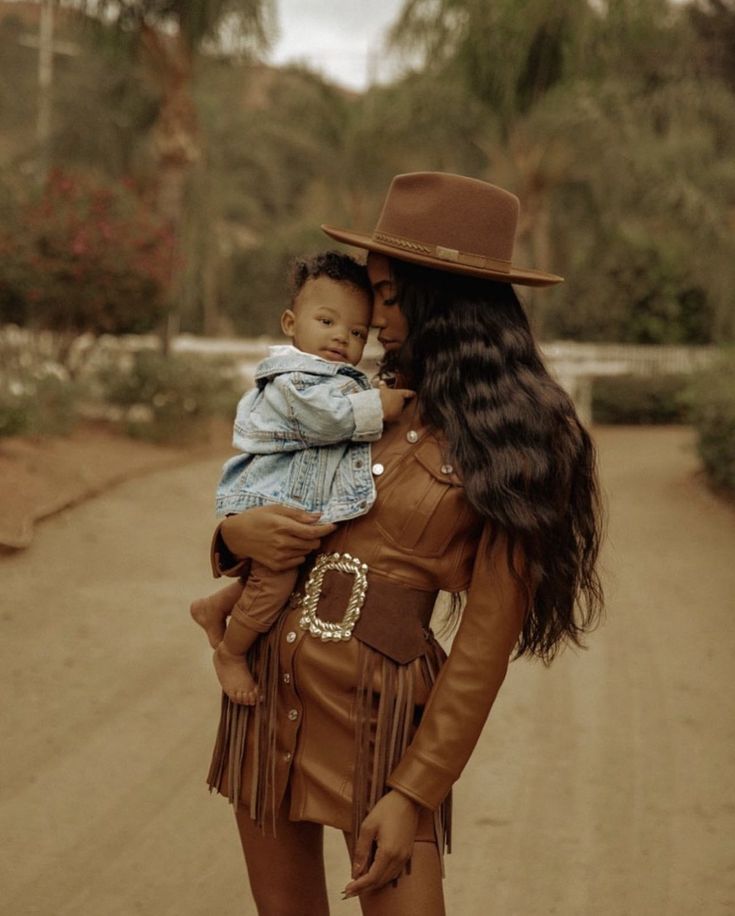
451,223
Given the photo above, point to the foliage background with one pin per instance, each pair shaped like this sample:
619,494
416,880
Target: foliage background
613,121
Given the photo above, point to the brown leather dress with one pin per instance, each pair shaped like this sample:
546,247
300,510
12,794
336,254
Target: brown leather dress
345,721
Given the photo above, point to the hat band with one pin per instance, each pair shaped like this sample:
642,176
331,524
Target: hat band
444,254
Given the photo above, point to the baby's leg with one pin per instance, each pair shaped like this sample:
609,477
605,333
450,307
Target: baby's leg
212,612
262,599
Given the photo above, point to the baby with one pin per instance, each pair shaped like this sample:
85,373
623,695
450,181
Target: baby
303,432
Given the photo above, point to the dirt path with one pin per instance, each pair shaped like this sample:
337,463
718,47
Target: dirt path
602,786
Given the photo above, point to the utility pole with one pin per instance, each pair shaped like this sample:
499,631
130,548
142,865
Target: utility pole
45,80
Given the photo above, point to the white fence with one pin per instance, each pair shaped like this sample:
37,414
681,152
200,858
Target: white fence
573,364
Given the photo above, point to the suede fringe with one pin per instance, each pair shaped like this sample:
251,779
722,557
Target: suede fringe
384,724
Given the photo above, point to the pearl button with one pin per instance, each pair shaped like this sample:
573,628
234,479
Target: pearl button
412,435
447,469
287,678
293,714
291,637
378,469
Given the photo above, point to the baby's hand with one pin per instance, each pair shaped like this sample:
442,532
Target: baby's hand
393,401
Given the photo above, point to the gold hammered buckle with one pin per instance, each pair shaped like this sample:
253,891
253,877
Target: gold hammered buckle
310,620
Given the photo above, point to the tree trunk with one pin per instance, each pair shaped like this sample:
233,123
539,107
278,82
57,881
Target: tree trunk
176,145
45,83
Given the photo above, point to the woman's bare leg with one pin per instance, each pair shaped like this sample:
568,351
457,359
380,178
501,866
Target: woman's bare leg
287,871
419,892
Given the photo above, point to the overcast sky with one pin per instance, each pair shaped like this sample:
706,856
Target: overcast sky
339,38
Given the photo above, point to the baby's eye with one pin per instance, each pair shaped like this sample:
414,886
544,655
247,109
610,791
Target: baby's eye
358,333
327,322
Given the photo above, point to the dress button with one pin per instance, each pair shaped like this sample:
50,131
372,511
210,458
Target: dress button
447,469
363,505
359,463
291,637
412,435
378,469
293,714
287,678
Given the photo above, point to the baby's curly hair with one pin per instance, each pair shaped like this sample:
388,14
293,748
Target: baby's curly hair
333,264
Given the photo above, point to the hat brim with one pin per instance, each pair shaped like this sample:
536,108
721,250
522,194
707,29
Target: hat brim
523,276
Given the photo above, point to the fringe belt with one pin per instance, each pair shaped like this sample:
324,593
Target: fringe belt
392,629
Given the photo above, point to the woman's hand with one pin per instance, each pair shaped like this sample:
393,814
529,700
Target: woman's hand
391,828
276,536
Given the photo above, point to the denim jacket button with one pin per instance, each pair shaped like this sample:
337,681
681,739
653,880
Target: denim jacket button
378,469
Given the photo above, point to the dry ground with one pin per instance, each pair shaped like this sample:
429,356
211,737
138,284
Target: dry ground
603,785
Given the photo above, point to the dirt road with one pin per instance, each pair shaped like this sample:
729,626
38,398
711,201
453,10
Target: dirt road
601,786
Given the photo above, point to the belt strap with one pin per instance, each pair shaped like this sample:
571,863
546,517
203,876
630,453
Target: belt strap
394,618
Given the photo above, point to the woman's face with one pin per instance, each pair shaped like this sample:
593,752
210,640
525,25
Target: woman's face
387,316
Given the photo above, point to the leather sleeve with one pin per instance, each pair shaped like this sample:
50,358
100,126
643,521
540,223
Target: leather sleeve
468,682
223,560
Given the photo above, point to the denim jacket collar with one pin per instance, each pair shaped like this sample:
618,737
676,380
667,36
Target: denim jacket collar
287,358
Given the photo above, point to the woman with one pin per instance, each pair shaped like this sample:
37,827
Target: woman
487,487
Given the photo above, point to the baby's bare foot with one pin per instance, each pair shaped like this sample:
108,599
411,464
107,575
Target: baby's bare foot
235,677
207,613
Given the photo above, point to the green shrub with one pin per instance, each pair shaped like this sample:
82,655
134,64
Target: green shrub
636,399
37,397
712,411
172,398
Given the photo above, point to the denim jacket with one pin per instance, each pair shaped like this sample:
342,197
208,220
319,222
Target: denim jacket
303,432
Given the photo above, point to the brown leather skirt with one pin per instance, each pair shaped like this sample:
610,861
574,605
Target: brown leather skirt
334,720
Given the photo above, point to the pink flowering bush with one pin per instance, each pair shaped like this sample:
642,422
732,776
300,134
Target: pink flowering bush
85,255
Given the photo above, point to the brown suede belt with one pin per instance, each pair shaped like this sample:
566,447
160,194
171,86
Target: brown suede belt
394,618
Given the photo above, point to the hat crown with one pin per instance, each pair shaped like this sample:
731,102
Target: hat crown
451,212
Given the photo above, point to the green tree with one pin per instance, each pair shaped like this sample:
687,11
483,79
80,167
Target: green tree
168,36
593,111
714,26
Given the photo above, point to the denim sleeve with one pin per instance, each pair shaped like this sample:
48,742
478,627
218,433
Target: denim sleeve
368,412
325,413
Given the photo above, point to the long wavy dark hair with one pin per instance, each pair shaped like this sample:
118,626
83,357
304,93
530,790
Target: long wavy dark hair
527,463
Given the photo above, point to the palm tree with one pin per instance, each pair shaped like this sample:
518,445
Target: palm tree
536,67
168,35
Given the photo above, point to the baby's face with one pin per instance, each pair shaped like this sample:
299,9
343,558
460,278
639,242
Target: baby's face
330,319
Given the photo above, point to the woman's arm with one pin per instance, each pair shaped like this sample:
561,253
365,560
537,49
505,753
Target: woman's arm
279,537
455,714
469,680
